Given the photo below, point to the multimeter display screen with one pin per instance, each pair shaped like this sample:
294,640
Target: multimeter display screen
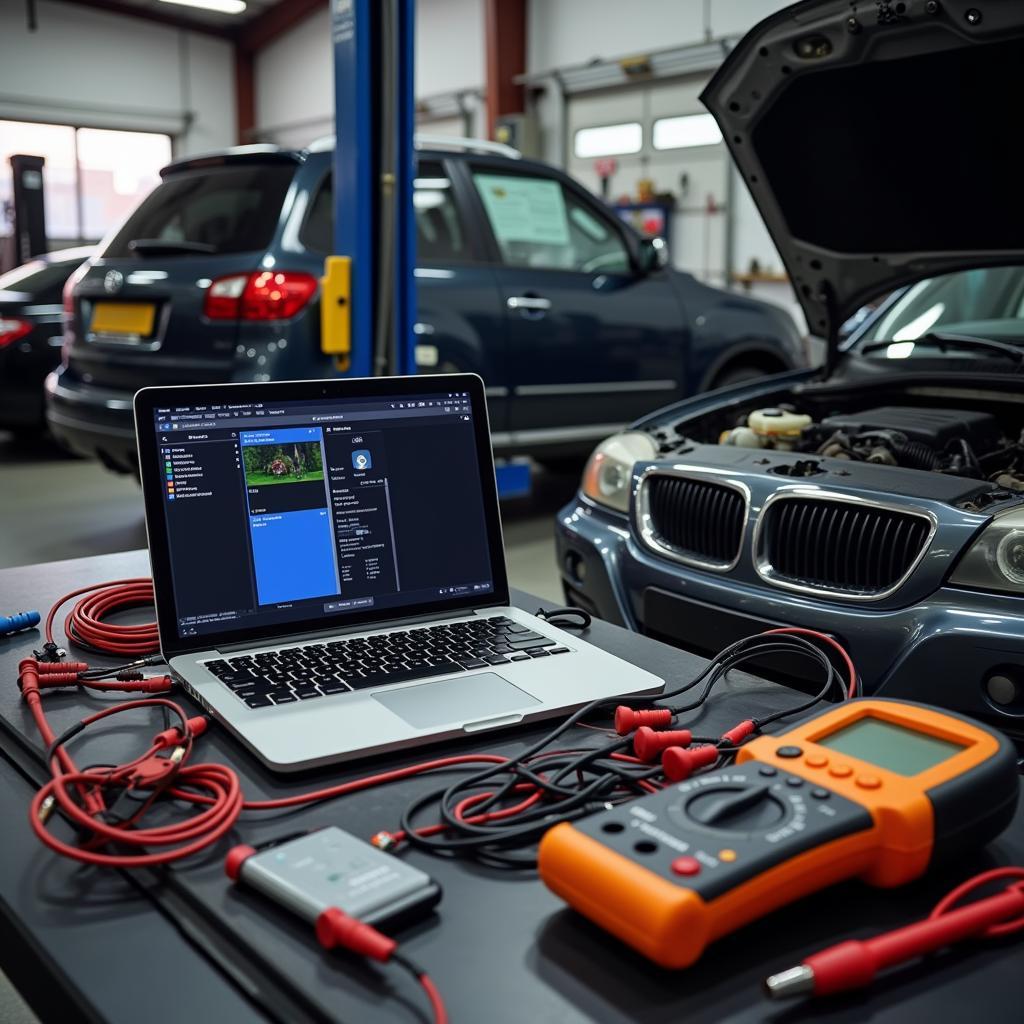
889,746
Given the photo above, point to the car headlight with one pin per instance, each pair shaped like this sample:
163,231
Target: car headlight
995,560
609,471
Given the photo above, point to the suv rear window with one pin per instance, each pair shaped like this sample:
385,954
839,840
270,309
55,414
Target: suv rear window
232,209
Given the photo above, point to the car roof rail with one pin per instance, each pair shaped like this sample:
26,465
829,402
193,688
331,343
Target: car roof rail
425,140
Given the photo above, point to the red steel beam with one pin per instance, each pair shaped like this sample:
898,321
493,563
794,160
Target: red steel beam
505,29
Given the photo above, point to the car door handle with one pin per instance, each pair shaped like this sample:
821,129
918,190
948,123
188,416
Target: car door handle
529,303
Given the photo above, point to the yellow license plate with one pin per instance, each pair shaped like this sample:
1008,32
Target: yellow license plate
129,318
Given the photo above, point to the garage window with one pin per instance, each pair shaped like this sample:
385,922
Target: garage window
92,178
539,223
609,140
686,132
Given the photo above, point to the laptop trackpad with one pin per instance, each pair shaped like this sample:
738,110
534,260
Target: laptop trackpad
464,700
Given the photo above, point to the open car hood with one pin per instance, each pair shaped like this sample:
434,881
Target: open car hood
880,142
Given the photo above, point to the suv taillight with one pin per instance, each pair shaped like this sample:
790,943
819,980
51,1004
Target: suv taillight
11,329
264,295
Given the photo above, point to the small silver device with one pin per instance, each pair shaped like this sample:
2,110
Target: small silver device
331,868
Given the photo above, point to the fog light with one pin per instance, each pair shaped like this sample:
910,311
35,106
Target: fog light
1004,687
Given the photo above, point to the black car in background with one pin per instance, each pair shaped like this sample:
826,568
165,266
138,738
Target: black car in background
30,335
573,321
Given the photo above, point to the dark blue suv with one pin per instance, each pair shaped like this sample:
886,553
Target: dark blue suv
574,322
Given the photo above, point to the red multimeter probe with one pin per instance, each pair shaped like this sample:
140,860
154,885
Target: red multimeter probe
877,789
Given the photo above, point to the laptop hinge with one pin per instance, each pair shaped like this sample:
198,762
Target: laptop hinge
364,627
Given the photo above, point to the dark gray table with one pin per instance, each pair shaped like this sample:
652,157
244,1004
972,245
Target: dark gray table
184,946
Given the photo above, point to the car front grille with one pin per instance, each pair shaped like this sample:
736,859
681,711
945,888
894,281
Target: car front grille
839,547
692,520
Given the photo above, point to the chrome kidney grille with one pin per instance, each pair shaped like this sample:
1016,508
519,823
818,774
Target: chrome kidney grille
849,549
695,521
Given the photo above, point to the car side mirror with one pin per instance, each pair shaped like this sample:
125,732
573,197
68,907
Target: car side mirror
653,254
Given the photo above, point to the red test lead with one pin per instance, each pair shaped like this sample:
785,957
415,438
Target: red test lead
680,764
626,719
738,733
854,964
648,744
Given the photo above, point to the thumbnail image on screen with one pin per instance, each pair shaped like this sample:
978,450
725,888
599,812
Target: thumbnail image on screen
287,463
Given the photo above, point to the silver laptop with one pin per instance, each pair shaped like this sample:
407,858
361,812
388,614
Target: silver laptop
329,571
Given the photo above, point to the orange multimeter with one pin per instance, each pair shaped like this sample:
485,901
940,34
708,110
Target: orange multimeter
879,789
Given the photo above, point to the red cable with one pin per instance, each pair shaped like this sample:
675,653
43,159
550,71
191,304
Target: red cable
85,627
825,639
856,962
945,905
434,997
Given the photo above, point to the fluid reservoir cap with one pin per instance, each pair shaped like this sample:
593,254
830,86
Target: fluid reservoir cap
777,422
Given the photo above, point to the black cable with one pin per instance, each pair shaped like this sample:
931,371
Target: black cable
563,617
574,783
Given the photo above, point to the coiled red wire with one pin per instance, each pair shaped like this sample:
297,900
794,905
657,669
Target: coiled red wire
85,626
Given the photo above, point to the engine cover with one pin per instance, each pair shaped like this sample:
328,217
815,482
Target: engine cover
935,427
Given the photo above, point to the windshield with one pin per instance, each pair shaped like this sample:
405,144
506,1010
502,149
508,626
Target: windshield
222,209
986,303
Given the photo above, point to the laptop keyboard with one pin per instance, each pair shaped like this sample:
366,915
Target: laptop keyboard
315,670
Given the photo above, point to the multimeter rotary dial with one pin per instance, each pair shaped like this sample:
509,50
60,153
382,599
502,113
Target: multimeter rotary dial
732,805
736,808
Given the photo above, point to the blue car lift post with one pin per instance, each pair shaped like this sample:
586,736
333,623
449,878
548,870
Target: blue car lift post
369,288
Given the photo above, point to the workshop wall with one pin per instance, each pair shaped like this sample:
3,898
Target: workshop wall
294,84
575,31
294,74
89,68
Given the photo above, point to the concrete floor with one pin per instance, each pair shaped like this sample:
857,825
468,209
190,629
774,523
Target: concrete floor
53,506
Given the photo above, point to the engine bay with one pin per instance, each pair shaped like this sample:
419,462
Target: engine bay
959,442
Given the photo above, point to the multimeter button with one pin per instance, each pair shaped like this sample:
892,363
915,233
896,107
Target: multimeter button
794,781
816,760
789,751
868,781
728,856
820,794
767,770
686,866
840,771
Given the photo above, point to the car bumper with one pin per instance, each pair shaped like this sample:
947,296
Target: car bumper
944,650
93,422
23,367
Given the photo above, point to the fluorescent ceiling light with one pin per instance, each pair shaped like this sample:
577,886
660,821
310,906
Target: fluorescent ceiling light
609,140
686,132
221,6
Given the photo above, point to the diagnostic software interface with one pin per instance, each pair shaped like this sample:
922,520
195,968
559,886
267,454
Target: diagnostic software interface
298,510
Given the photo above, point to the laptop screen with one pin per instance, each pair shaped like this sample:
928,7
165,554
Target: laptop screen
328,508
